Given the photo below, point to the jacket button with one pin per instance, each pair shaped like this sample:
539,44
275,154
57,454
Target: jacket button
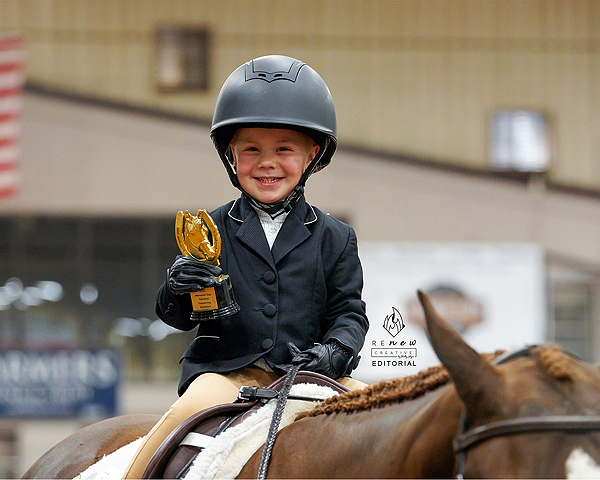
269,276
270,309
266,344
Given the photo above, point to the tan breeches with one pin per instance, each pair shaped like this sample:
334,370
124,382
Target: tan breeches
205,391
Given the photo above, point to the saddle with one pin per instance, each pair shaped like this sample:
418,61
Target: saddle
175,456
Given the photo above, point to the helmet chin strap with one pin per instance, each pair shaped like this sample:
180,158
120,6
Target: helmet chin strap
285,206
280,207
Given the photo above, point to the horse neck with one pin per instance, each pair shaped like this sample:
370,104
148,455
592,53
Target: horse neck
411,439
414,436
426,428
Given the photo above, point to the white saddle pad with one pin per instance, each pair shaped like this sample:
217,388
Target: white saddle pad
227,453
111,466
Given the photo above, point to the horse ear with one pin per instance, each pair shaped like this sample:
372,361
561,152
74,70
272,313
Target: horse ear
475,379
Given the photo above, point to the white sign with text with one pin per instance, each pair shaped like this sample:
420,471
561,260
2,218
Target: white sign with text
494,294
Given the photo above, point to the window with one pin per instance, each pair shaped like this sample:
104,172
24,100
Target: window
182,58
89,282
573,318
519,141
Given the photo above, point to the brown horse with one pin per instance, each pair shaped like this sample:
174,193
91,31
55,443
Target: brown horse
520,418
85,447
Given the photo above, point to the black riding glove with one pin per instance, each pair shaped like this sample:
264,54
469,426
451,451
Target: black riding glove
332,359
189,275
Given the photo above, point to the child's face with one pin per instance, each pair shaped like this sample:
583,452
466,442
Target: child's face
269,161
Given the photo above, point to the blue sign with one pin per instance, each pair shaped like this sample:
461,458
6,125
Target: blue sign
61,383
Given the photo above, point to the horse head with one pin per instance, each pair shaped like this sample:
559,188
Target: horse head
541,400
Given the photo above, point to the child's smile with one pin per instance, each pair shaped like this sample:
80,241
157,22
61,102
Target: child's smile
269,162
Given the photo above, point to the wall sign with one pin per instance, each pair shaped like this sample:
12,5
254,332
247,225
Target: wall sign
63,383
493,294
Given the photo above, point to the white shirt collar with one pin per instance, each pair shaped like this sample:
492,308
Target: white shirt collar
271,226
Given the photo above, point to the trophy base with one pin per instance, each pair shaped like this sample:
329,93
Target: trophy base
215,302
199,316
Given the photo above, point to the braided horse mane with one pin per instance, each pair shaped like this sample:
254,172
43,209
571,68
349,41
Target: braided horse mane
555,362
551,359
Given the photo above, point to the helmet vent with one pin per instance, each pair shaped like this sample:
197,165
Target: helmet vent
256,71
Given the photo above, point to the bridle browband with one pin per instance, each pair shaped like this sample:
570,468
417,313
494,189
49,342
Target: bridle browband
549,423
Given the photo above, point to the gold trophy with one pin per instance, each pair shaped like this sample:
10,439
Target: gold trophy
192,235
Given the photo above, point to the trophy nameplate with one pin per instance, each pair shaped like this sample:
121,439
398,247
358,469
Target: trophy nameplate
199,237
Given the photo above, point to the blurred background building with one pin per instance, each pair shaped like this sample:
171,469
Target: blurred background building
458,121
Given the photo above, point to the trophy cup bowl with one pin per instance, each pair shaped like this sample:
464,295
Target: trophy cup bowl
198,237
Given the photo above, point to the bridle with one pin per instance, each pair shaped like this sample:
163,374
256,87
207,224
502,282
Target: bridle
564,423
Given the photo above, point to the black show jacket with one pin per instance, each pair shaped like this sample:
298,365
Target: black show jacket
305,290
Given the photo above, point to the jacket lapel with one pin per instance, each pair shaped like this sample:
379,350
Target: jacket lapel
294,230
250,232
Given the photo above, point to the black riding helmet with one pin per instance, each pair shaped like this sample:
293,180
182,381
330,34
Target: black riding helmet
275,92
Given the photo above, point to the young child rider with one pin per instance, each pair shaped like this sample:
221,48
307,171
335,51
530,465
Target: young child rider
294,270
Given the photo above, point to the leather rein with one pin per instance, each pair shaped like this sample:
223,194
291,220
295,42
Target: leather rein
467,438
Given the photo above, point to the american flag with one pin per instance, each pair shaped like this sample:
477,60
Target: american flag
12,78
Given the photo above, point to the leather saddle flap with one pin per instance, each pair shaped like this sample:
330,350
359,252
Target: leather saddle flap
171,460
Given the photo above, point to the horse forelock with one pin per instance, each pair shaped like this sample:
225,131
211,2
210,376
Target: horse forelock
387,392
